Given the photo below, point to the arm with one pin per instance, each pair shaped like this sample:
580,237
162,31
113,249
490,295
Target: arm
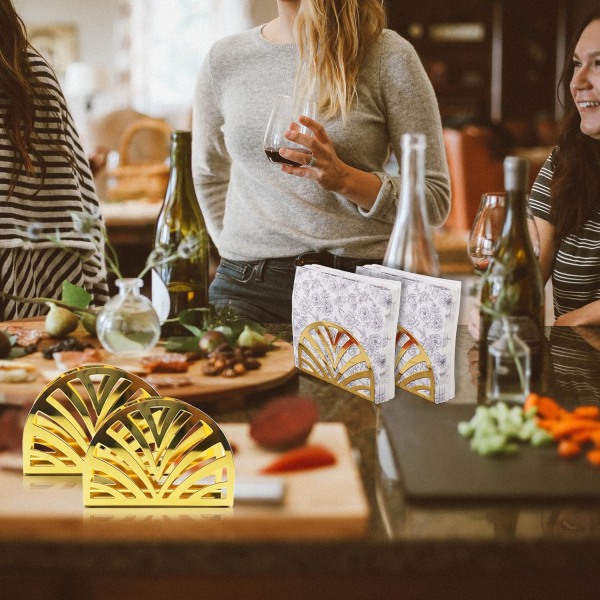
330,172
411,106
586,315
210,160
408,104
548,247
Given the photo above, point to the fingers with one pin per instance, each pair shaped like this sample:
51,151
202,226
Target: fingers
304,139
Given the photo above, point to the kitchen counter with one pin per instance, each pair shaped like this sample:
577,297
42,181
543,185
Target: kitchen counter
493,549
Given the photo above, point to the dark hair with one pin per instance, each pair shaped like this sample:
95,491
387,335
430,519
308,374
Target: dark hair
575,184
24,92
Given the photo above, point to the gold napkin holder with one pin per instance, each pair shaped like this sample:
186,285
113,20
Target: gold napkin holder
331,353
159,452
413,370
67,412
132,447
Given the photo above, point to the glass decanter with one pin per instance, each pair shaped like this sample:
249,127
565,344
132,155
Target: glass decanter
128,323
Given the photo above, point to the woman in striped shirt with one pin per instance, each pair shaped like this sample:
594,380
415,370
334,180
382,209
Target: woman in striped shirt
565,198
45,179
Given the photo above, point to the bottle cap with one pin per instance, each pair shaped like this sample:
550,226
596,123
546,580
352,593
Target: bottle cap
516,174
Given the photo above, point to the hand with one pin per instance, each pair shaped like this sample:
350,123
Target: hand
322,164
98,159
586,315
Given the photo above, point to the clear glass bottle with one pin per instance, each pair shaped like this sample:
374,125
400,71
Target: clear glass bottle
182,283
508,367
411,244
128,323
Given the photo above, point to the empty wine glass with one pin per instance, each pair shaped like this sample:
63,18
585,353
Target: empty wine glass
287,109
487,230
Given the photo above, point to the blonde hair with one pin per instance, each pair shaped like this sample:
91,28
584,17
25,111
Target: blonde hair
333,37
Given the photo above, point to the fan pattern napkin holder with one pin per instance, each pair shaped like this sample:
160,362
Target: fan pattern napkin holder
131,446
376,330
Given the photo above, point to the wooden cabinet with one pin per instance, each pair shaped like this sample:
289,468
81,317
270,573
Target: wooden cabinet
493,60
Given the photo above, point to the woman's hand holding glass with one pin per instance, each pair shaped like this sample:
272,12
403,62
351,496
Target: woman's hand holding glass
285,114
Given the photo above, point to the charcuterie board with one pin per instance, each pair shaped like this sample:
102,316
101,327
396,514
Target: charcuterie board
276,367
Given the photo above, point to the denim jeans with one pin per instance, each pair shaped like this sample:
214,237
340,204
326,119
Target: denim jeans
262,290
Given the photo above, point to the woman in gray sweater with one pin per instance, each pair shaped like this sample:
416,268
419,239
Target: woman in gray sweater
339,206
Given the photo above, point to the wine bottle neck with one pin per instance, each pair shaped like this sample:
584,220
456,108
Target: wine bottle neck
180,187
516,213
181,153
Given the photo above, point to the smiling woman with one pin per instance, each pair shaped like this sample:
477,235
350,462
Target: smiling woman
565,198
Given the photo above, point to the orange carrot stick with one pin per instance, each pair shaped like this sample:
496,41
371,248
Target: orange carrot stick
593,457
568,449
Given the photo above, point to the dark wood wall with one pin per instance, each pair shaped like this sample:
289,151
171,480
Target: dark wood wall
495,60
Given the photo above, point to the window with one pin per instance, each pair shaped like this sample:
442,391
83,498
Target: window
170,39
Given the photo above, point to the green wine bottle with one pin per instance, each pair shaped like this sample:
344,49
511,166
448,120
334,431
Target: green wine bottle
181,283
512,286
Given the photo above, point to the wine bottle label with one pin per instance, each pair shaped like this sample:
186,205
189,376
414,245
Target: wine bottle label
160,297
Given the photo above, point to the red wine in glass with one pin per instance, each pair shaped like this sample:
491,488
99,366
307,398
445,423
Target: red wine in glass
287,109
274,156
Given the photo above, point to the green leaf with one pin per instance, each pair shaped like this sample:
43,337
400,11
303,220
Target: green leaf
193,320
182,344
74,295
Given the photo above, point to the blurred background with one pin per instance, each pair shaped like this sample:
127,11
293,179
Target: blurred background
494,65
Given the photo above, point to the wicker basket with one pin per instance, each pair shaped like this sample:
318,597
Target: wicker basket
143,179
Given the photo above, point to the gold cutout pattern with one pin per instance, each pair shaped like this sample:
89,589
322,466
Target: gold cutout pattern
67,412
327,351
413,370
159,452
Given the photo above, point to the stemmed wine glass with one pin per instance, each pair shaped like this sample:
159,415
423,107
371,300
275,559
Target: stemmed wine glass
287,109
487,229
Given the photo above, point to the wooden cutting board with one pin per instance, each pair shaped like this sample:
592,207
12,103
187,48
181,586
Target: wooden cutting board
277,366
328,502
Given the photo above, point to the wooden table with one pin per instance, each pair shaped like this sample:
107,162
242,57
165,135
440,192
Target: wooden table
418,550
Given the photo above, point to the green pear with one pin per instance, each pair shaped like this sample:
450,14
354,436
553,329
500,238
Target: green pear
60,321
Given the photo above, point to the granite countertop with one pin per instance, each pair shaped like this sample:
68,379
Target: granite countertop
457,549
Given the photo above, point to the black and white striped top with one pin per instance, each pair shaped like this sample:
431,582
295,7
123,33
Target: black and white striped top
34,266
576,273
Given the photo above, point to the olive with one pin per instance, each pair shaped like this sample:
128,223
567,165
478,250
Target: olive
5,345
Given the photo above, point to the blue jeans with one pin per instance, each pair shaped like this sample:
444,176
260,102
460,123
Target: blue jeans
262,290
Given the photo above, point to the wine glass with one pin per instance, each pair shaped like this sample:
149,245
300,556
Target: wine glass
286,109
487,229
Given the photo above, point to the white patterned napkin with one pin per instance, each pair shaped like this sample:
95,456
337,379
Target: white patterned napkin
428,317
344,329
